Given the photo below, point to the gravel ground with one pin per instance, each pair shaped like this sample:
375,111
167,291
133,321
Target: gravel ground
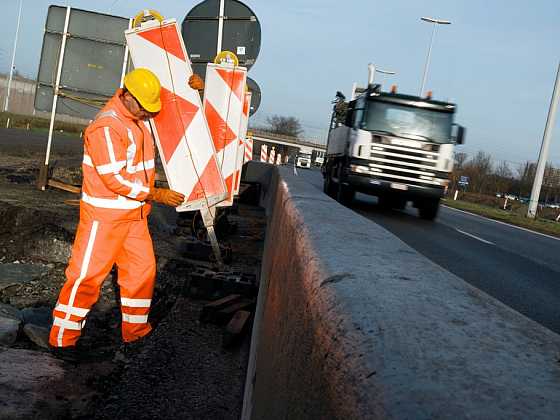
180,371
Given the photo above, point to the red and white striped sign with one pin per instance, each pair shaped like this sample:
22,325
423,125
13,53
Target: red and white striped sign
272,156
180,129
224,97
279,159
242,139
248,149
264,153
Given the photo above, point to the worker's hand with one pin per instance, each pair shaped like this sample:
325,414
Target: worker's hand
166,196
196,82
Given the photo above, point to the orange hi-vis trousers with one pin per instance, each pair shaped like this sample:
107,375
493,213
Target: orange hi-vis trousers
99,245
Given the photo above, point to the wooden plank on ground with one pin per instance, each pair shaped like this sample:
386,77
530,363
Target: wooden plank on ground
209,310
224,315
235,327
63,186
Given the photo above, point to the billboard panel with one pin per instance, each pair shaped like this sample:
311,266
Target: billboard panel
92,61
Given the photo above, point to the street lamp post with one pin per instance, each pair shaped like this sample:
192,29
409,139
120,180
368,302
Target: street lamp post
543,154
6,103
435,22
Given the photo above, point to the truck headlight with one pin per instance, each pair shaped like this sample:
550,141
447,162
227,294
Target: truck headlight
359,169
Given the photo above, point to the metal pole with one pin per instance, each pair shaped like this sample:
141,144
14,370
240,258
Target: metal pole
43,174
208,217
427,61
13,59
353,94
220,27
543,154
371,73
125,60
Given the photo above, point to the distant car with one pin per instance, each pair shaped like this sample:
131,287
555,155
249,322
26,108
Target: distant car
553,206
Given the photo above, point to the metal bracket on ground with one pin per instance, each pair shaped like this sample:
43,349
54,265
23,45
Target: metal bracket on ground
208,215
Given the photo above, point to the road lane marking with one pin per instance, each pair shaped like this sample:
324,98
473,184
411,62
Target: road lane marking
503,223
475,237
295,171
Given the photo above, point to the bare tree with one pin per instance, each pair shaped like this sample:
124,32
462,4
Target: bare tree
503,178
458,167
478,168
289,126
460,159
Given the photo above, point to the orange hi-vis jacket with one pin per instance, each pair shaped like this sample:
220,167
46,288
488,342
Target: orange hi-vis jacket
118,166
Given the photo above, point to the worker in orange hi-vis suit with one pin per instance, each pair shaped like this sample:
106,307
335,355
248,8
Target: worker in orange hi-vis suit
117,191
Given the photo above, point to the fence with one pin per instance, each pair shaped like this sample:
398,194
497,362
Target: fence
22,96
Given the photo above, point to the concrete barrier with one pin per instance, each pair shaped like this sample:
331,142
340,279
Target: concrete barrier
352,323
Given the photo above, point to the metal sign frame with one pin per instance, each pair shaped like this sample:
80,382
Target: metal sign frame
42,180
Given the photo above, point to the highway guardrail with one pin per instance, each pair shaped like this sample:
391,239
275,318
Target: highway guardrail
352,323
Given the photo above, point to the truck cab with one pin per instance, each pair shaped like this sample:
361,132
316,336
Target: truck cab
394,146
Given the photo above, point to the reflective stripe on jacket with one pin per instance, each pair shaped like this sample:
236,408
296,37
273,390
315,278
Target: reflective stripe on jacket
118,166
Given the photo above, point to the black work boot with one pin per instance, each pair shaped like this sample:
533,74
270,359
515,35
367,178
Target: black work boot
132,348
69,354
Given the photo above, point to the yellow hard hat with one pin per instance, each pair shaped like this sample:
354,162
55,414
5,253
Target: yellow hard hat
145,87
226,57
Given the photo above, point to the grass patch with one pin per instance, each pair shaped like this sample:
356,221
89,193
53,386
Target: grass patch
549,227
37,123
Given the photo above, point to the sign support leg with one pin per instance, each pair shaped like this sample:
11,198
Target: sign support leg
44,170
208,216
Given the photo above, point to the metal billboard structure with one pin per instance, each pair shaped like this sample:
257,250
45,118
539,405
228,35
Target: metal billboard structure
221,25
83,61
214,26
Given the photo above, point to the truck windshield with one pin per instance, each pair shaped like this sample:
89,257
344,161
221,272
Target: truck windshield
406,121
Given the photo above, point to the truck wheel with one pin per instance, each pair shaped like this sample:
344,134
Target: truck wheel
328,186
383,202
398,203
345,194
428,209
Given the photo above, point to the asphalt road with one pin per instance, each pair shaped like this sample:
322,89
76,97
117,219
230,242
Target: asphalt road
518,267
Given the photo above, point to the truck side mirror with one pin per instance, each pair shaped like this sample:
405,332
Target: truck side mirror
459,135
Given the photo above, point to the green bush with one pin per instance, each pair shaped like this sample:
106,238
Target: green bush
514,206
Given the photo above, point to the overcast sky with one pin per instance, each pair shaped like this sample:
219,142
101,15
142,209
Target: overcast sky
497,60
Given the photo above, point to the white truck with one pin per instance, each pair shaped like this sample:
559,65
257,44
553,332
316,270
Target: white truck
319,158
396,147
303,158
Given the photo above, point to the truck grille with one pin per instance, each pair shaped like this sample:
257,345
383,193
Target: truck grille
412,165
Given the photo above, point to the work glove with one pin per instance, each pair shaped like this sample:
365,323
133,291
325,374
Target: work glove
196,82
166,196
